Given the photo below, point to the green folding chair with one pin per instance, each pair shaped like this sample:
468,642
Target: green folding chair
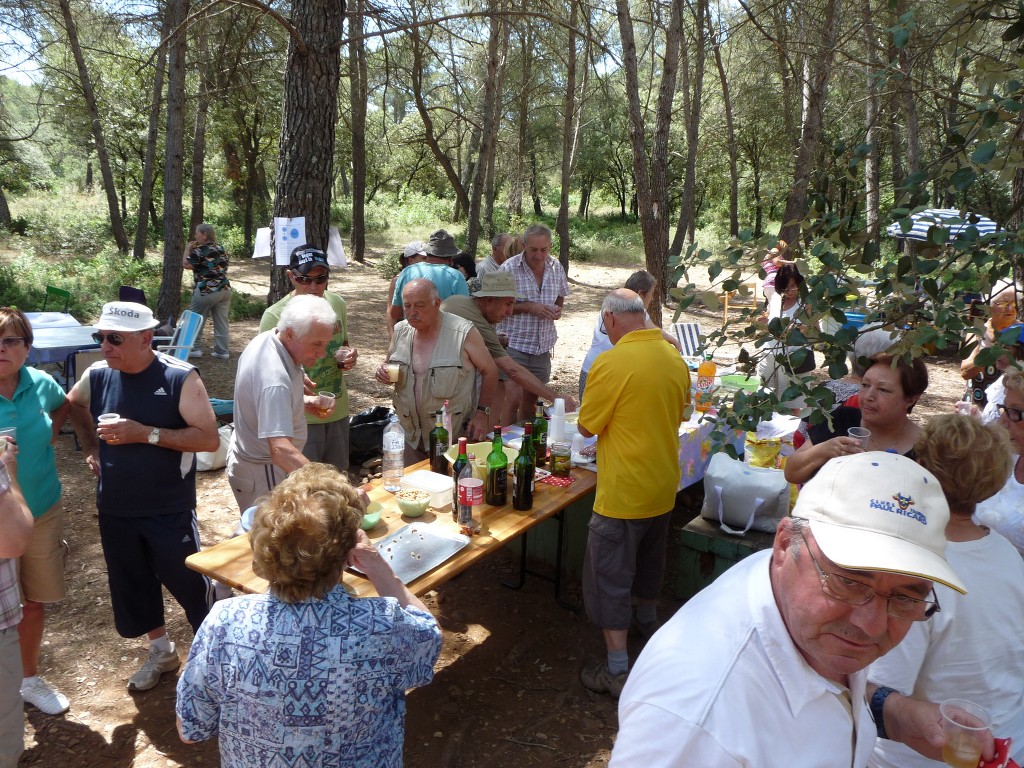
58,295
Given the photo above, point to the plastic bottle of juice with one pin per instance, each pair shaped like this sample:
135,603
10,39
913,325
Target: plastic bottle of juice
705,383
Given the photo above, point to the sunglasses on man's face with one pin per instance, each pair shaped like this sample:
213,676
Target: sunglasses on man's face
1013,414
116,339
304,280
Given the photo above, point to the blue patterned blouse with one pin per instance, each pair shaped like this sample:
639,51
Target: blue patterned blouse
318,683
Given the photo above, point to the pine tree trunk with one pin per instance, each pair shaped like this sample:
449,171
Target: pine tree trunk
730,136
174,163
816,90
651,177
489,137
871,111
146,193
570,128
309,117
357,92
85,80
692,110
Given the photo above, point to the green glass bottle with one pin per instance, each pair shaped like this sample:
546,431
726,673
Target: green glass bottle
540,436
523,470
439,443
497,472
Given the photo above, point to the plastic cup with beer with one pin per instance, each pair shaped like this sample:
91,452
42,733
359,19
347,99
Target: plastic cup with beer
325,402
394,371
965,726
861,435
11,432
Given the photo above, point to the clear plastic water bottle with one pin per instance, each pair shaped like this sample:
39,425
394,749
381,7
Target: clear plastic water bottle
394,455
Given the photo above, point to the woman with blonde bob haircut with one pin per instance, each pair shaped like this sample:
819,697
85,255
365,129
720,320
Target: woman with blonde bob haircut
309,669
302,533
971,648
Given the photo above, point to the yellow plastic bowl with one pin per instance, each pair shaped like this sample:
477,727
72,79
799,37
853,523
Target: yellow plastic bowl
481,450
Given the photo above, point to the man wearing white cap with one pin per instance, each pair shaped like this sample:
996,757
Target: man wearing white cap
440,248
766,667
145,462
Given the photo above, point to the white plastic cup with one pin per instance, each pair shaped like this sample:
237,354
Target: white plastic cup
325,401
965,726
860,434
11,432
557,429
108,418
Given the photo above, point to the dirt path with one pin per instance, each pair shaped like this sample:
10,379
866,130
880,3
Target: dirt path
507,689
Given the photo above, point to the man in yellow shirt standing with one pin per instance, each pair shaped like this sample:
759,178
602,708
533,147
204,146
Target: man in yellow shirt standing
634,401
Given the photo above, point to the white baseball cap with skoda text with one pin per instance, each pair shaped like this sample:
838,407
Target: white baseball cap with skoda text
877,511
126,316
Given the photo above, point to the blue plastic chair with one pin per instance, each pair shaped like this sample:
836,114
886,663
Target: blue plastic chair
185,335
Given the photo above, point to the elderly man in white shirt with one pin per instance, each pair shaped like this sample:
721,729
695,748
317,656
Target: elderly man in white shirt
766,667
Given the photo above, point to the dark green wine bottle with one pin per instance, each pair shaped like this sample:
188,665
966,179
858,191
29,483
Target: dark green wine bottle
438,446
540,436
497,472
523,470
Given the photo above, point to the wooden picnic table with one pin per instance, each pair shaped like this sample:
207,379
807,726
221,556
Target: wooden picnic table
230,562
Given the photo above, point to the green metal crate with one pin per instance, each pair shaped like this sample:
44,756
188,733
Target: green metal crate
706,552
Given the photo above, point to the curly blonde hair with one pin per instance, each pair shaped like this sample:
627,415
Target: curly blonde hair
971,461
303,531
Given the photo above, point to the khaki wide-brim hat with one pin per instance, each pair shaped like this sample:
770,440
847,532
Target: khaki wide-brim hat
499,285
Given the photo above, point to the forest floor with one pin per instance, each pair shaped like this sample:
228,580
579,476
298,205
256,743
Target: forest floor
506,691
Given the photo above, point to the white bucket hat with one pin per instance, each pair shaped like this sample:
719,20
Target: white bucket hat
126,316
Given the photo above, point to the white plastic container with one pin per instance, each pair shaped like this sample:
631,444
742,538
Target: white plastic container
438,486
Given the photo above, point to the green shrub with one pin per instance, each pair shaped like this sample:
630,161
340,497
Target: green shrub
246,307
389,265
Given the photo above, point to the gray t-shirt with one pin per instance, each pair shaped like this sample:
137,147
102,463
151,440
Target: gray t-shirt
268,399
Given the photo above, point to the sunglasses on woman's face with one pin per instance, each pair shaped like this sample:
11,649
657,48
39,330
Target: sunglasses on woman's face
116,339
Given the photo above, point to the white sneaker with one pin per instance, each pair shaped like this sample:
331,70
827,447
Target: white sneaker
157,662
43,696
220,355
196,353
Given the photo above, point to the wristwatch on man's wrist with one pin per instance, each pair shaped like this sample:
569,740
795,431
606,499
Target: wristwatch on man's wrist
154,436
485,410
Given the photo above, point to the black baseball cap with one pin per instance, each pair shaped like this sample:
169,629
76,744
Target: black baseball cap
305,257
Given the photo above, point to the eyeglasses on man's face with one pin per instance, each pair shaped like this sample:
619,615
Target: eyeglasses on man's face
10,342
1013,414
115,339
306,280
846,590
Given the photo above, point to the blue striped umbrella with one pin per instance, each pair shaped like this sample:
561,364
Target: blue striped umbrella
947,218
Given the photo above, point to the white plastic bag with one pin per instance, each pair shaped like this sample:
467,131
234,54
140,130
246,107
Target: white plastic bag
207,461
740,497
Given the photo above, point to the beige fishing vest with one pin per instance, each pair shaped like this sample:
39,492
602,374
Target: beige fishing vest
447,380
